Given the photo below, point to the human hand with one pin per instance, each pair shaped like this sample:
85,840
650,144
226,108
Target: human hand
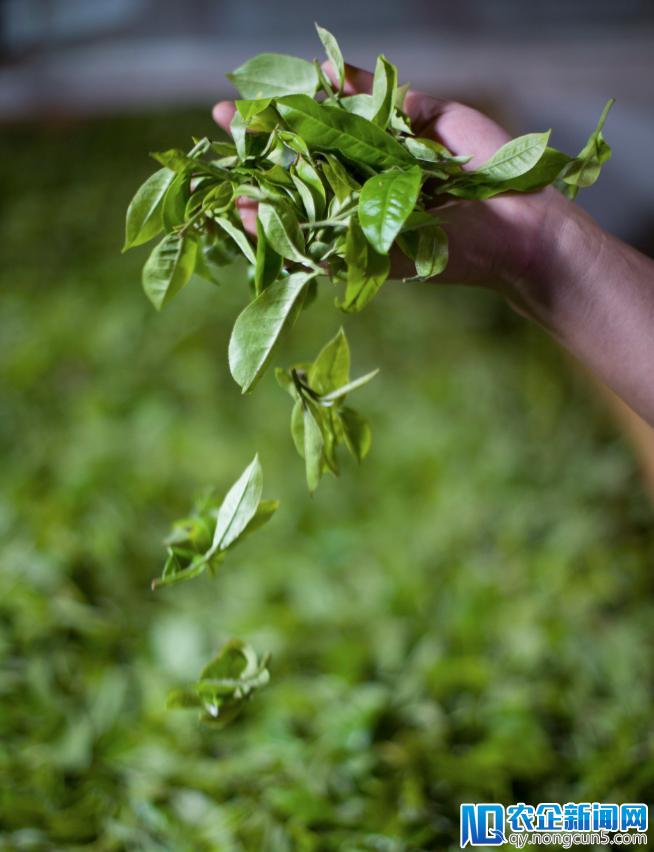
549,259
492,242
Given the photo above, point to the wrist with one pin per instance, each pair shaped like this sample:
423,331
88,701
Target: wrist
559,244
592,292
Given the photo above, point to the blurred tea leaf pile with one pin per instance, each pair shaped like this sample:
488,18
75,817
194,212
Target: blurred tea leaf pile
470,620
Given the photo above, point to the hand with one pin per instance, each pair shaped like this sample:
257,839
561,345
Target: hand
491,242
544,254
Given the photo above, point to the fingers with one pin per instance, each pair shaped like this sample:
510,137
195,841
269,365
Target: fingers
247,210
424,111
223,112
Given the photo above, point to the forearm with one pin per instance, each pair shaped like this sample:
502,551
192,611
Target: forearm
594,294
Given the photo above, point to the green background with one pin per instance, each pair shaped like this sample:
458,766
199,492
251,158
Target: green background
466,617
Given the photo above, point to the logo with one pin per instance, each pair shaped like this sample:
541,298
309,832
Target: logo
553,824
482,825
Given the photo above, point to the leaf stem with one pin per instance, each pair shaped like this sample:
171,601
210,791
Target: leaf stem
192,221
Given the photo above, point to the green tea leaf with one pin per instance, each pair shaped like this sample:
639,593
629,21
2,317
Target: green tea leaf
432,152
293,141
271,75
474,187
233,660
282,230
259,327
191,163
307,197
356,433
278,176
385,203
417,220
250,108
225,685
265,510
268,262
313,448
331,369
199,542
340,392
168,268
384,87
239,506
328,129
545,172
333,52
238,127
174,159
182,699
515,157
173,211
366,270
584,170
400,123
432,255
310,177
143,220
238,235
210,258
179,571
297,426
285,381
359,104
219,197
341,182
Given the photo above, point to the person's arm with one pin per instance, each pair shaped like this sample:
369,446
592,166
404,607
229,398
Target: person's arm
595,295
550,259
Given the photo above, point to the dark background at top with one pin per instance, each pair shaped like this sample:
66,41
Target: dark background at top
531,65
28,23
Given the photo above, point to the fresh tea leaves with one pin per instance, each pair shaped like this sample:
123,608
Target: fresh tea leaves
225,684
169,268
144,214
333,52
320,420
272,75
385,202
258,328
584,170
200,542
515,158
340,181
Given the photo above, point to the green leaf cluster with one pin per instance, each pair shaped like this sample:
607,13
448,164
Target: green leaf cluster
225,684
201,541
320,420
339,180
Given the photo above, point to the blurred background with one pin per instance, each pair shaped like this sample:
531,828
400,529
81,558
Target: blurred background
468,617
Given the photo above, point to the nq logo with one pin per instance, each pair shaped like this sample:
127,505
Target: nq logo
482,825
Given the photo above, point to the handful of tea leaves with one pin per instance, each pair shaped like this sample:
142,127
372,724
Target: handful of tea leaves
339,180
